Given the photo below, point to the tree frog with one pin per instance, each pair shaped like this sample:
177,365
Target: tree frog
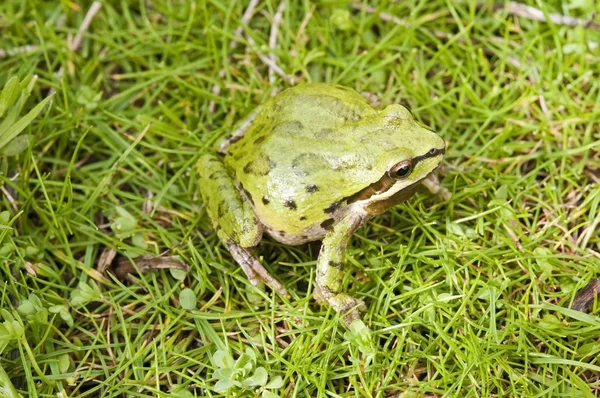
315,162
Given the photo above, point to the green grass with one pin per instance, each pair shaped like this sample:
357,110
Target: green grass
466,298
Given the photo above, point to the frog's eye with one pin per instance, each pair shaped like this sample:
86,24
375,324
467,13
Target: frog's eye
401,170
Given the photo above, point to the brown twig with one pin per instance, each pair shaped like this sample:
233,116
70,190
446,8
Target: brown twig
524,11
382,15
10,199
76,42
248,13
273,37
9,52
300,35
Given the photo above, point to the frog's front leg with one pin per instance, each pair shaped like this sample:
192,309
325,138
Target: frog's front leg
432,183
331,269
231,214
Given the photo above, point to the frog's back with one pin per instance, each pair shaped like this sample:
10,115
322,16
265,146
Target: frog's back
292,162
318,105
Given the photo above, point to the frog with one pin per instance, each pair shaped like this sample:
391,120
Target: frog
315,162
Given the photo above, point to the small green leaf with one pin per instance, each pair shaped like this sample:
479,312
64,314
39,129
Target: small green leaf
85,292
123,226
223,359
550,322
223,385
502,193
4,217
26,308
361,336
454,229
178,274
259,378
341,19
6,315
276,382
5,337
179,391
6,250
187,299
63,363
139,240
246,362
269,394
541,259
17,145
224,373
64,313
15,129
9,94
250,352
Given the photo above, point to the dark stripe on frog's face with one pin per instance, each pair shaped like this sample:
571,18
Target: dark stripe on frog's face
432,153
386,182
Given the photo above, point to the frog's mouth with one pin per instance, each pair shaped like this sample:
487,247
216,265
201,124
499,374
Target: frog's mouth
376,192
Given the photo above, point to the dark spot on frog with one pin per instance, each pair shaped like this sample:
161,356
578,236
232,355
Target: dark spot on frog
239,155
219,174
288,127
312,188
246,193
324,133
265,200
331,208
337,265
308,163
261,166
302,218
235,138
259,140
327,224
221,209
290,204
327,289
281,233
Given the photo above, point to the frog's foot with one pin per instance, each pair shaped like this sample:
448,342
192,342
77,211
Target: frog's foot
347,306
253,269
432,184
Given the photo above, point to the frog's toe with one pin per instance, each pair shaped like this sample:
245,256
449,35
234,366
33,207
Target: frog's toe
351,310
253,269
318,295
348,307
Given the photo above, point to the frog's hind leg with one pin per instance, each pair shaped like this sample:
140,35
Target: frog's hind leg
331,269
231,214
253,269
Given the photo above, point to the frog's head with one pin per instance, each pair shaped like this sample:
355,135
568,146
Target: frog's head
407,154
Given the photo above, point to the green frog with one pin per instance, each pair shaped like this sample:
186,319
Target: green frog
315,162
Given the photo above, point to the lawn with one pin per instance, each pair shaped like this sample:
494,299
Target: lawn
114,284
